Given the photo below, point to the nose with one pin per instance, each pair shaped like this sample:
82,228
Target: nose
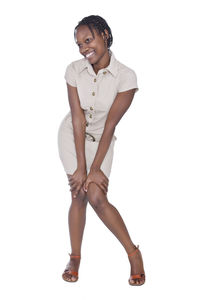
84,50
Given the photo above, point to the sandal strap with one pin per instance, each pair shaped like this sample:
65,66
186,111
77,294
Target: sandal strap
137,276
74,256
71,272
132,253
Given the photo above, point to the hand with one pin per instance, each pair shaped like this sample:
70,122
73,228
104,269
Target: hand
76,180
99,178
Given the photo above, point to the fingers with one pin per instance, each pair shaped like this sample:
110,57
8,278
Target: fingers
106,178
104,187
76,188
105,183
73,186
85,185
85,189
76,191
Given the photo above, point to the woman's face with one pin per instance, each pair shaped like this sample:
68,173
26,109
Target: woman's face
97,46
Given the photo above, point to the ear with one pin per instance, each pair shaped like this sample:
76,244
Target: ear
106,33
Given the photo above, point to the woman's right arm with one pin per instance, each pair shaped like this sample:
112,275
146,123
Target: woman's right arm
79,125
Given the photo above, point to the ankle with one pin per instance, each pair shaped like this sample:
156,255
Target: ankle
75,253
131,248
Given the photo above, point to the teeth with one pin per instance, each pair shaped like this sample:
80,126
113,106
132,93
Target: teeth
89,54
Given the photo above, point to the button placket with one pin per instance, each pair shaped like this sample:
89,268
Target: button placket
91,109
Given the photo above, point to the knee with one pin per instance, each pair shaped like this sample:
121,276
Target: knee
96,197
81,199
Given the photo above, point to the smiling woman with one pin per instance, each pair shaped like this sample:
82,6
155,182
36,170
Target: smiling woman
94,41
100,91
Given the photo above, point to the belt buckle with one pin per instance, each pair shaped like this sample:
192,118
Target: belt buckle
92,137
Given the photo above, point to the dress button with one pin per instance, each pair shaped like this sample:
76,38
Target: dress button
90,116
87,124
93,93
91,108
95,80
104,72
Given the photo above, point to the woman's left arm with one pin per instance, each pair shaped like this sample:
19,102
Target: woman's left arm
119,107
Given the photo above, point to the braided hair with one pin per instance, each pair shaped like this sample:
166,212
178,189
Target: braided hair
98,23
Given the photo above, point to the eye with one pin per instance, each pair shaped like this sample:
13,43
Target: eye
88,39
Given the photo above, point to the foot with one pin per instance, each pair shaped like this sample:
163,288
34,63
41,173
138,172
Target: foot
136,267
73,265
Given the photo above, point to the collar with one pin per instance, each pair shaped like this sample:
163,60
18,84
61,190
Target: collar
112,67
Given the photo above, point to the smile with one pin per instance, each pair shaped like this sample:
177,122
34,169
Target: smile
90,54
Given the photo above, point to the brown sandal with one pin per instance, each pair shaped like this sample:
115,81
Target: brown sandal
136,276
71,272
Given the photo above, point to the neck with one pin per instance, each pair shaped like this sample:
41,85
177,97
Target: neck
103,62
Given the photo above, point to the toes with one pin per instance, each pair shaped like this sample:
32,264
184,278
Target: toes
68,279
67,276
136,281
74,278
140,281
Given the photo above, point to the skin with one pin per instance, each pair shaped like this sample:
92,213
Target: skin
93,188
87,43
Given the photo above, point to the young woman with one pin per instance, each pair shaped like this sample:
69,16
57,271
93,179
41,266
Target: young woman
100,90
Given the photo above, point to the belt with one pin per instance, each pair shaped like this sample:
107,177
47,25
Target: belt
93,137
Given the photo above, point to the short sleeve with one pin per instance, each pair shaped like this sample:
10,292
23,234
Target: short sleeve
127,81
70,75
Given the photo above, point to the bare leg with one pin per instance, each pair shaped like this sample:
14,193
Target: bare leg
114,222
110,216
76,221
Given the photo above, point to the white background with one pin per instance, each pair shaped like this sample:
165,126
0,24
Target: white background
154,181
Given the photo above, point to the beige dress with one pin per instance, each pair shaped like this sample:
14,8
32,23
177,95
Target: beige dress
96,92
